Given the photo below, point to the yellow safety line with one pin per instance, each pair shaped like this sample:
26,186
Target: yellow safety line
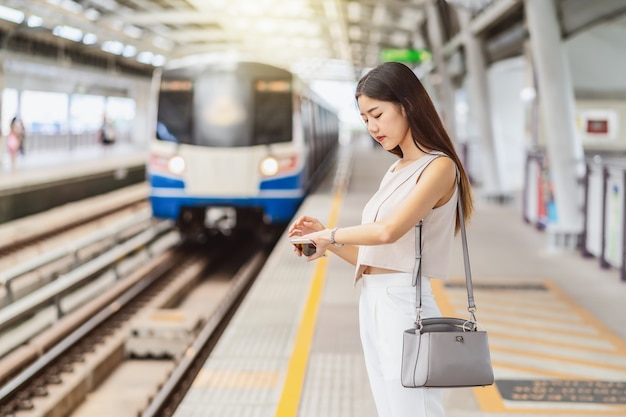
296,370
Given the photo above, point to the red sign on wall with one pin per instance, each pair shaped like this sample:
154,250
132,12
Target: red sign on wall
597,126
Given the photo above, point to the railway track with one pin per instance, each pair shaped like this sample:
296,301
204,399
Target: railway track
163,317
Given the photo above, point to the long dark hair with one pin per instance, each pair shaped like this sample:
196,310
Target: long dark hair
396,83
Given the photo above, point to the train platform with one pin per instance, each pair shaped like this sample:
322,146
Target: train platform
555,320
43,180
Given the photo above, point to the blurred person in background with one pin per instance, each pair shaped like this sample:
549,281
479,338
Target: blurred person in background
21,132
106,132
14,140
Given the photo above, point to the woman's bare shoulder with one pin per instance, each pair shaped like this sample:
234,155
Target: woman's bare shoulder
442,166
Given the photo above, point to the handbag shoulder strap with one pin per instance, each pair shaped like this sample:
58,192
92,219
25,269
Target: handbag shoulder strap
417,269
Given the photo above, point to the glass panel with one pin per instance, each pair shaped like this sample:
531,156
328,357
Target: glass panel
222,115
272,117
175,116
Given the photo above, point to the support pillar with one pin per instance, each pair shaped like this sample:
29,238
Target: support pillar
444,86
557,106
478,86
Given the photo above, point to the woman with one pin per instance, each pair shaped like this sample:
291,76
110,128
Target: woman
422,184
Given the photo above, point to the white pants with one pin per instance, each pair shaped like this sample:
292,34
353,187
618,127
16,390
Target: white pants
386,309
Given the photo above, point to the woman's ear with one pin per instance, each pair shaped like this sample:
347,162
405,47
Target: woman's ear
402,110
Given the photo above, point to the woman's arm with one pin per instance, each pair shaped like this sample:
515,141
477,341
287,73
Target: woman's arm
306,225
434,187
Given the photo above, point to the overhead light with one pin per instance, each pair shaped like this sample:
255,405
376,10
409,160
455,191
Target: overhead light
68,32
113,47
129,51
12,15
34,21
163,43
145,57
158,60
71,6
471,4
133,31
92,14
90,38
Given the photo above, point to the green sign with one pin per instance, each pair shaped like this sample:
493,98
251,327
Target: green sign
415,56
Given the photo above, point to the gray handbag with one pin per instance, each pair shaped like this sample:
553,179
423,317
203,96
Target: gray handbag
445,352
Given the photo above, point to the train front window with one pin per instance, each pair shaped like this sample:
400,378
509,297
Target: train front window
272,112
220,107
175,115
222,111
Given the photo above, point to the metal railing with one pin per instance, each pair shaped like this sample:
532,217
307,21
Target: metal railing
604,230
604,206
71,249
50,293
39,143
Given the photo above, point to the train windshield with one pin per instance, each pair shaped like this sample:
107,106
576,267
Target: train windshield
175,111
226,110
272,111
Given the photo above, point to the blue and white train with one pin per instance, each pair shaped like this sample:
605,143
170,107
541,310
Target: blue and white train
238,146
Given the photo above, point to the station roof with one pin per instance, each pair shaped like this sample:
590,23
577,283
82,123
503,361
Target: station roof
316,39
322,39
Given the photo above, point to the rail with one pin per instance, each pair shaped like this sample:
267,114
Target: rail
71,249
51,293
198,352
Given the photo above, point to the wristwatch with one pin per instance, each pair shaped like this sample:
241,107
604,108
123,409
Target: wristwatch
332,238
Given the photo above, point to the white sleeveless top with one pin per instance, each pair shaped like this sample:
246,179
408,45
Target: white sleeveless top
437,229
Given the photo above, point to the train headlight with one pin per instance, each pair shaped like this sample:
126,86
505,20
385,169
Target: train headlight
269,166
176,165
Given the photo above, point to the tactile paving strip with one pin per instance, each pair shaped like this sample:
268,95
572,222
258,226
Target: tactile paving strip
244,375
